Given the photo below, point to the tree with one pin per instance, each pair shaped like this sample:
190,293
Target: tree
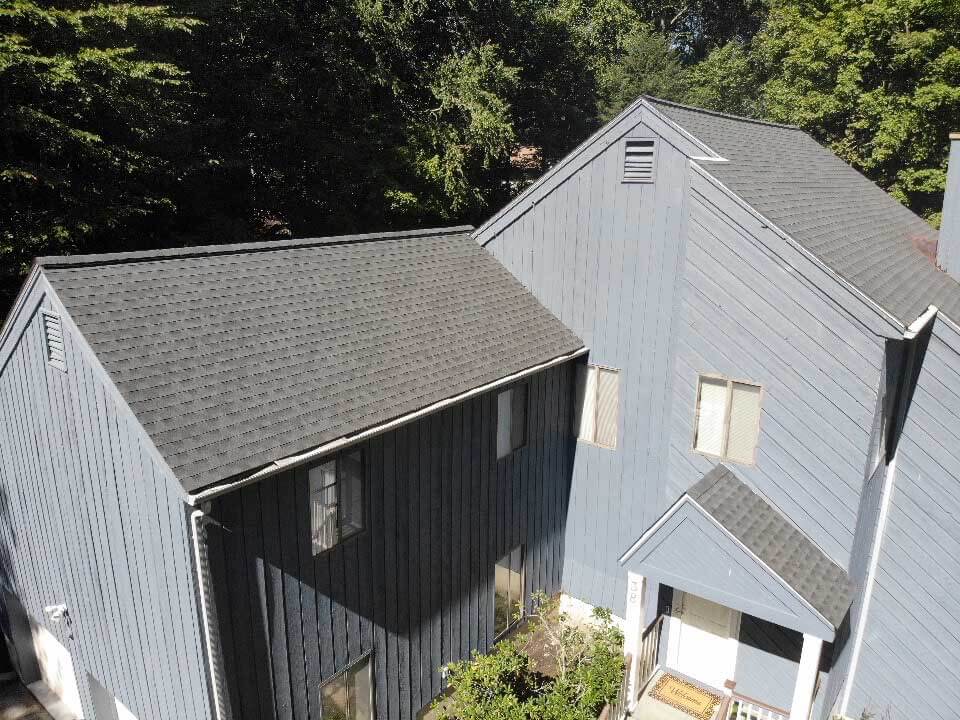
93,119
726,80
648,66
878,82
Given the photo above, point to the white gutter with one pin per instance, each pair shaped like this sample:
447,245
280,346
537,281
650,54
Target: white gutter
888,481
195,519
278,466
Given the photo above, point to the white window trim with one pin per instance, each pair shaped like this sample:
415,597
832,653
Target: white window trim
596,406
726,417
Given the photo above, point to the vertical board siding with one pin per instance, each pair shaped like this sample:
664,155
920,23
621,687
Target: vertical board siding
911,646
415,588
93,521
604,257
744,317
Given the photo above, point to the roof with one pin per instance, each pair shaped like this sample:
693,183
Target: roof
235,356
844,219
777,542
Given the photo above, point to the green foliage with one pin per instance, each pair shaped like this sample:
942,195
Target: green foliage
90,116
648,66
726,80
503,684
878,82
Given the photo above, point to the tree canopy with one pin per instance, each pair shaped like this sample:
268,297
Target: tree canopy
133,125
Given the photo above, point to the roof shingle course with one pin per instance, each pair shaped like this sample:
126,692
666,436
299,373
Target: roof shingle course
847,221
770,536
235,356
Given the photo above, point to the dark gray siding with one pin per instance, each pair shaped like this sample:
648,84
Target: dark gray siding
911,646
91,518
604,256
416,588
755,309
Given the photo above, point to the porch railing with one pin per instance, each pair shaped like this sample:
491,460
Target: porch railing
649,652
746,708
617,710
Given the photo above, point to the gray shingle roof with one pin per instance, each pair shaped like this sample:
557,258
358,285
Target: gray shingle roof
776,541
836,213
235,356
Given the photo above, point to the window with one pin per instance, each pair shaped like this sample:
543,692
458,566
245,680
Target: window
53,339
728,419
511,420
639,160
349,695
878,433
598,404
336,500
508,591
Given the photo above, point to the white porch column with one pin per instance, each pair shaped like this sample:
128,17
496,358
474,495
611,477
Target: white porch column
633,632
806,678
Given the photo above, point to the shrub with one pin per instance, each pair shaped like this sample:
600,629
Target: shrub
504,685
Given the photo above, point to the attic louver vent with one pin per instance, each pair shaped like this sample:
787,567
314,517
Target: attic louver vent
638,160
53,336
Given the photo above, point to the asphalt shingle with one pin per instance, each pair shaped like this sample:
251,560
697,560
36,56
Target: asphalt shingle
840,216
235,356
770,536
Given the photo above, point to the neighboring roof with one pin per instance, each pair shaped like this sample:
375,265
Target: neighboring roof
234,356
840,216
776,541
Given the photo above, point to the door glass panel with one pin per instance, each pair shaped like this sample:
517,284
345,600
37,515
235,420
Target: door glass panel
508,589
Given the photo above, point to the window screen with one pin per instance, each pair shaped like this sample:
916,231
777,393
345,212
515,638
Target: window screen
349,695
336,500
728,419
598,405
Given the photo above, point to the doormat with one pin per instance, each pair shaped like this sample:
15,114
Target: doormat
686,697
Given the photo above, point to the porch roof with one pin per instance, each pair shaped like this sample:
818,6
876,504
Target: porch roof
726,543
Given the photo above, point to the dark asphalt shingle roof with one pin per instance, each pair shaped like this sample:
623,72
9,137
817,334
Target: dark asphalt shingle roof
232,357
776,541
847,221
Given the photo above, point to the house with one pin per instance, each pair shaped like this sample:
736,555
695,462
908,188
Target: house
260,481
774,362
700,373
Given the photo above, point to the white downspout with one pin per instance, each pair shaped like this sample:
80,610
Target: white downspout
195,519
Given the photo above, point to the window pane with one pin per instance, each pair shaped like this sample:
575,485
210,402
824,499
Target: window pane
518,430
516,578
323,506
502,610
711,408
504,421
351,494
586,401
608,402
333,700
744,422
361,691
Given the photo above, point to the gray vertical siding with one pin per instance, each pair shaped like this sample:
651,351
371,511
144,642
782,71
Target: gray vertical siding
604,256
415,589
911,646
91,518
747,316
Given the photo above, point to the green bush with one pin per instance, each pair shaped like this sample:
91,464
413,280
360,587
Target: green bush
504,685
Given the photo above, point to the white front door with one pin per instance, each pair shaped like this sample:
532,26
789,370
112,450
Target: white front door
703,641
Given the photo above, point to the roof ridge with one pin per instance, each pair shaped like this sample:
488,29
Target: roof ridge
728,116
66,261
